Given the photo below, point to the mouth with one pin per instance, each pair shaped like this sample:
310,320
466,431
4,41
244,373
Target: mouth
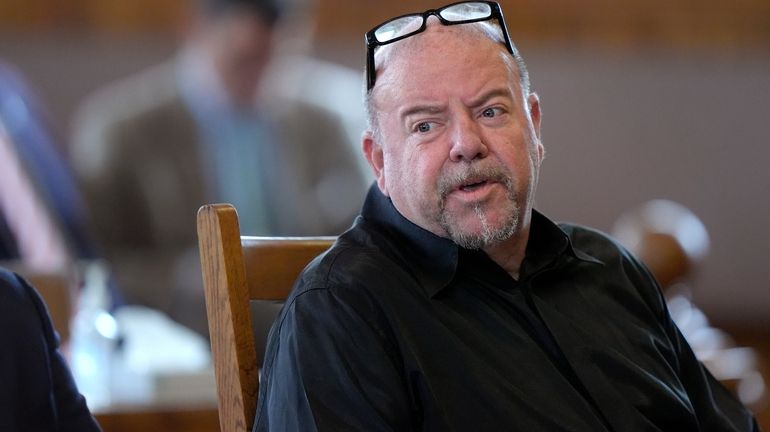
470,187
473,185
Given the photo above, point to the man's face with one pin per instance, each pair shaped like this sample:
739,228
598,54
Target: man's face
240,45
458,150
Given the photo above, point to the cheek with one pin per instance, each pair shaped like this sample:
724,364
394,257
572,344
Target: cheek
425,167
409,166
519,152
412,174
399,171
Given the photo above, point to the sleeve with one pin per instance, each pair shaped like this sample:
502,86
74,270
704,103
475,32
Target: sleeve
715,407
38,391
330,367
71,410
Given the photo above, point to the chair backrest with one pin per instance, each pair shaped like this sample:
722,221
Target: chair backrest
237,269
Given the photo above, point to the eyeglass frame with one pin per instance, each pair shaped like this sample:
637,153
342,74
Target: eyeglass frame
372,43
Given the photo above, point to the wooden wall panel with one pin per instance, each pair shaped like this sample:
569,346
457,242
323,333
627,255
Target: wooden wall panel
91,15
625,23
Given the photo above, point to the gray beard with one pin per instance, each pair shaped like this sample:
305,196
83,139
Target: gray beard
489,235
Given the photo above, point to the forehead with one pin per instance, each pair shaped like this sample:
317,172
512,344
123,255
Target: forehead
438,35
443,56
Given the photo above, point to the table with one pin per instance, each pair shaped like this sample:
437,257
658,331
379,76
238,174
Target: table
159,419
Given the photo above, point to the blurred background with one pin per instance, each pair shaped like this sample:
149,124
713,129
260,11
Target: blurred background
641,100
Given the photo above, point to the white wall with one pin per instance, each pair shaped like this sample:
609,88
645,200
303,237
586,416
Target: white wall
621,129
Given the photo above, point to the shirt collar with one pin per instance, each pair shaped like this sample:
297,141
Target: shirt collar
434,259
430,258
547,243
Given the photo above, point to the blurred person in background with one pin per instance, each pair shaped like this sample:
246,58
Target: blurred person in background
33,164
152,148
44,224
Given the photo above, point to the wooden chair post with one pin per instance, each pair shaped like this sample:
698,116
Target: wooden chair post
227,308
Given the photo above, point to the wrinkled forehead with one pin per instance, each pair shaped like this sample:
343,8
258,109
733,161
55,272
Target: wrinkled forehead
413,65
433,41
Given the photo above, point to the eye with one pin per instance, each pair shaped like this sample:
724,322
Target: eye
490,112
423,127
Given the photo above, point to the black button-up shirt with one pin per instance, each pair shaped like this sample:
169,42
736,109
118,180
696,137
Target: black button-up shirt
396,329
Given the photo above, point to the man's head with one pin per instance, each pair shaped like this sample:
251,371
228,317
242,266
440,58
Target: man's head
454,139
236,36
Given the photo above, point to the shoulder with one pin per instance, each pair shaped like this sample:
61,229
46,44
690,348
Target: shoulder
341,298
593,242
117,109
131,96
316,82
25,331
359,256
317,122
344,270
621,268
289,90
10,287
23,309
18,298
356,272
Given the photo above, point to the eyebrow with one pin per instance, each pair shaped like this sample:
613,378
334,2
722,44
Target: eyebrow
421,109
475,103
491,94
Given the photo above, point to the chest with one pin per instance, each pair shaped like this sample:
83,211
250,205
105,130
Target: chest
478,348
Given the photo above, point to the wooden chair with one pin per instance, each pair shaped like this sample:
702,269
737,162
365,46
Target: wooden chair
237,269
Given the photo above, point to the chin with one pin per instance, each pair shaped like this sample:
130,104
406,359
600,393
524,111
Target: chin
480,232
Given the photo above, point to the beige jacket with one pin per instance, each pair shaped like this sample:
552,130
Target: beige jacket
136,151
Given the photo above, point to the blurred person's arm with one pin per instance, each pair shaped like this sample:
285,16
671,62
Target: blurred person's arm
37,391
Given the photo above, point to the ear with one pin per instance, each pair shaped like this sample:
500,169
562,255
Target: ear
533,101
374,155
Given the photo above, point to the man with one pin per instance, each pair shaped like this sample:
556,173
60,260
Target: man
37,392
151,149
451,304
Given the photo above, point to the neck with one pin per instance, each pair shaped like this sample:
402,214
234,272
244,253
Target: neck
509,254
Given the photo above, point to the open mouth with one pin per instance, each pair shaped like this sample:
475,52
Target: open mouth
470,187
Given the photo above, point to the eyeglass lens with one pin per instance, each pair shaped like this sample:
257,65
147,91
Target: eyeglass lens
466,11
412,23
398,27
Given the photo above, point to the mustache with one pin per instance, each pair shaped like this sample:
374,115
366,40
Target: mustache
474,172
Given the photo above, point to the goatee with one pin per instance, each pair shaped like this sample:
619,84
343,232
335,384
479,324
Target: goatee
489,234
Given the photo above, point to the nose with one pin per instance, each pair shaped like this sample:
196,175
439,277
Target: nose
467,142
